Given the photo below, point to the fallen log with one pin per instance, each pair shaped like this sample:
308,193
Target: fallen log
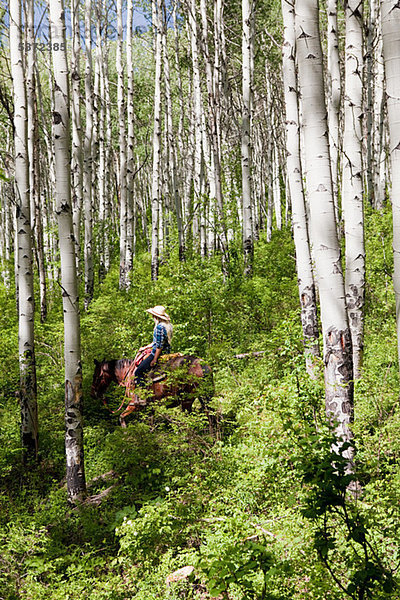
251,354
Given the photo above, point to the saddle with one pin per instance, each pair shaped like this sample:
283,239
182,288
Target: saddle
158,374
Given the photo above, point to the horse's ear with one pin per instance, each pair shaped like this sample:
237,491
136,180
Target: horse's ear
96,362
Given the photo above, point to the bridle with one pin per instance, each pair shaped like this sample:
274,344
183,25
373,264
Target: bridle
102,382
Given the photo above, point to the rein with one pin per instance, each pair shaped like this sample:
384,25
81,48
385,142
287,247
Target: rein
120,407
140,356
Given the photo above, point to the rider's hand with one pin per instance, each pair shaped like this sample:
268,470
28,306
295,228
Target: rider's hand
153,362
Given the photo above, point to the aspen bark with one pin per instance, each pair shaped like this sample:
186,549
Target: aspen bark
33,153
130,145
6,231
390,18
336,333
171,146
103,244
77,159
248,250
276,188
180,87
88,160
123,272
108,157
197,117
371,36
24,260
155,185
305,279
377,126
352,180
213,118
334,95
76,485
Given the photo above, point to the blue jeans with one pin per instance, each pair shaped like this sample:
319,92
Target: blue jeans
142,369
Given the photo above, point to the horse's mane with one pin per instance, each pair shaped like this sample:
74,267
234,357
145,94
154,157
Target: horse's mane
120,363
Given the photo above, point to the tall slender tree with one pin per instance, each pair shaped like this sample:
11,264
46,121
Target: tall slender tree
76,484
213,114
172,145
130,165
352,180
155,184
309,318
24,259
390,16
88,159
197,106
334,94
247,41
76,164
123,271
326,249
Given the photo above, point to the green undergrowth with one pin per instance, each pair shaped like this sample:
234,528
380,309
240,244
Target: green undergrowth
249,498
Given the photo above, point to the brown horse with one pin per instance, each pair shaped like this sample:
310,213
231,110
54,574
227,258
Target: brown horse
181,378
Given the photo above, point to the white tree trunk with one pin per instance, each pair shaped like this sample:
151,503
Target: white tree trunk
276,186
352,181
336,333
247,9
155,185
334,95
172,161
378,162
123,271
24,261
7,230
309,318
370,84
213,113
88,159
109,184
103,171
390,16
130,144
181,134
76,163
34,155
197,117
76,485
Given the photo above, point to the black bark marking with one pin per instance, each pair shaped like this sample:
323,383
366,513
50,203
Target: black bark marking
397,5
57,119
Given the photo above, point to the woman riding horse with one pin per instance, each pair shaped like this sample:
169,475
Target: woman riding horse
162,335
194,381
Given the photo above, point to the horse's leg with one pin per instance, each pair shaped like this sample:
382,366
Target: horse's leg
132,406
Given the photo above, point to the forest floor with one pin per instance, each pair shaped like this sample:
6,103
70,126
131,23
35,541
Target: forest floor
255,506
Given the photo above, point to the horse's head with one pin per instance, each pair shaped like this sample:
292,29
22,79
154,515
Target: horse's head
102,377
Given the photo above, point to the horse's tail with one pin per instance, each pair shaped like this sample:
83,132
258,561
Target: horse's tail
209,380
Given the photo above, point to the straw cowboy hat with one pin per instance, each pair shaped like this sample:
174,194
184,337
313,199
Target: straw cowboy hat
159,312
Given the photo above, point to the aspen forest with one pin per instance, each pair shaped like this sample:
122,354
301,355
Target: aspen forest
229,171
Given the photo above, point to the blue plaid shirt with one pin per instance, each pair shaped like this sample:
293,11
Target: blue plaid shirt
160,339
